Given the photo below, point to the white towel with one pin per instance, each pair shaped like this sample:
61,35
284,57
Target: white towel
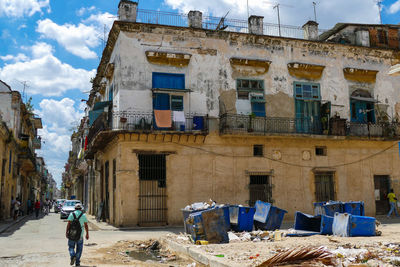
179,116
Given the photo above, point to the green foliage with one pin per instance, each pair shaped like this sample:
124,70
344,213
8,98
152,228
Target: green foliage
29,105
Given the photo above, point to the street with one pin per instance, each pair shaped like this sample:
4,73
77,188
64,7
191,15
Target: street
42,242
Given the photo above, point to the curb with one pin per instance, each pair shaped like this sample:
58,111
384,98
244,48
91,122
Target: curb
198,254
5,228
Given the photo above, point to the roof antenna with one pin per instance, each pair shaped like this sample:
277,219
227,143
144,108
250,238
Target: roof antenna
221,25
248,9
315,12
279,19
379,4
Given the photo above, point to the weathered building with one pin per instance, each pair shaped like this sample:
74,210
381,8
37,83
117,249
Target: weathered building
185,114
20,174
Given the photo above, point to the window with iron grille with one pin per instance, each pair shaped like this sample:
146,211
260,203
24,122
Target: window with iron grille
324,187
245,86
153,167
258,150
307,91
260,189
382,37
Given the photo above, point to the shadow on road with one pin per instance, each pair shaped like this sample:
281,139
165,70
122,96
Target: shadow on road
15,226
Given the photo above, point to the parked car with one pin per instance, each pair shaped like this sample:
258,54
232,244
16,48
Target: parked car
68,207
58,205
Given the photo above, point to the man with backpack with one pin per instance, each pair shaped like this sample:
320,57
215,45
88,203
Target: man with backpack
76,222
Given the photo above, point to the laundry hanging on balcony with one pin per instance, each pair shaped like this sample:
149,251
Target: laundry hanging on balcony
163,118
178,116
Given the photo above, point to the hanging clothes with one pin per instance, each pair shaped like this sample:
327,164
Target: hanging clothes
178,116
163,118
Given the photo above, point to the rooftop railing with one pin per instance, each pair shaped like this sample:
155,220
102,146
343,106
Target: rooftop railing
211,23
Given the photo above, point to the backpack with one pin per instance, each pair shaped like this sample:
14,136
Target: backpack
75,229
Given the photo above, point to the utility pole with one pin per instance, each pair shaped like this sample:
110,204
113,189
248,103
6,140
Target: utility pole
279,19
315,12
25,84
248,9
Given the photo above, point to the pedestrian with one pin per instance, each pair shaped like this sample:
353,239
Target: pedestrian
16,207
12,206
46,206
72,244
392,201
29,209
37,207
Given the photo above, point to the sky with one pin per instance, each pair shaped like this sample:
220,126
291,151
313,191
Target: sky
50,49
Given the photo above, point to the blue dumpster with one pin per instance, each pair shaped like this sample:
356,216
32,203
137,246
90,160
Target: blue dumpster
241,218
345,224
319,208
268,217
186,214
361,226
354,208
307,222
326,225
332,207
210,225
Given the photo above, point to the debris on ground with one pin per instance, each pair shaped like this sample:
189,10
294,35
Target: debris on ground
320,254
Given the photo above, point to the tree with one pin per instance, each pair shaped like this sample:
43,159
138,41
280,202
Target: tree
29,105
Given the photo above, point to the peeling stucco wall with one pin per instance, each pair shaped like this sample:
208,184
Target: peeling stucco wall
210,75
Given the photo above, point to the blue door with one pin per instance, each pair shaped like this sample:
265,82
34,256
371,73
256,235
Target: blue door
308,116
362,111
168,80
258,109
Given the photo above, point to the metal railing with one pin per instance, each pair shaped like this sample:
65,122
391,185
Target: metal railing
237,124
144,122
211,23
232,123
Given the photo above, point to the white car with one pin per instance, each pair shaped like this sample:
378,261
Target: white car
68,207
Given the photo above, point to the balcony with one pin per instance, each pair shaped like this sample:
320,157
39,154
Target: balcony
245,124
37,143
143,122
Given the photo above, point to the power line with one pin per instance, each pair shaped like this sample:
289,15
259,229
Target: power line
289,163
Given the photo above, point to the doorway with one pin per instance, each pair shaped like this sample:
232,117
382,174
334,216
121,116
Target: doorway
152,190
260,189
324,187
382,186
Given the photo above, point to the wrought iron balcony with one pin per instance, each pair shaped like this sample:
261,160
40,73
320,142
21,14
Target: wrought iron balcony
144,122
37,143
241,124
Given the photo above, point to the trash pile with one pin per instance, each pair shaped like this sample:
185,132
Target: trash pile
334,218
207,222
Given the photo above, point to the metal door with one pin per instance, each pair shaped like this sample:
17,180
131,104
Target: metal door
324,187
382,187
260,189
152,189
308,116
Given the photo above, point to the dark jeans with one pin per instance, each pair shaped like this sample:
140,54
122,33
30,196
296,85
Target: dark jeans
78,252
37,212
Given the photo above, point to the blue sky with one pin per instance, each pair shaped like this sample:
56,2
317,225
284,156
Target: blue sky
55,47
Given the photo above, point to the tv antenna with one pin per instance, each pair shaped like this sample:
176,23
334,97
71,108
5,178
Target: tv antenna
221,26
379,4
315,12
277,5
25,84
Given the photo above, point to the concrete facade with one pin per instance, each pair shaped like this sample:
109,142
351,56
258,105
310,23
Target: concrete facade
219,164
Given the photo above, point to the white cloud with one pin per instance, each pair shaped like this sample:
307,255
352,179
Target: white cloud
46,74
328,12
19,8
78,40
101,19
19,57
395,7
58,118
83,10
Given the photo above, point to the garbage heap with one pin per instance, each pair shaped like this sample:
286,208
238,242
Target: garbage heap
207,222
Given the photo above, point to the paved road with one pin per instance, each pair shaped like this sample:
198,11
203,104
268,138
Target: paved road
42,242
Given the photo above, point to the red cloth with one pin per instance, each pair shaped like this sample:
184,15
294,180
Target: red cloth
86,143
37,205
163,118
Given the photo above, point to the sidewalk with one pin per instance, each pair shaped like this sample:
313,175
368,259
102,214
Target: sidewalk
6,224
104,226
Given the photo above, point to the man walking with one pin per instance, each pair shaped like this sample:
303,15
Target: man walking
37,207
77,215
392,201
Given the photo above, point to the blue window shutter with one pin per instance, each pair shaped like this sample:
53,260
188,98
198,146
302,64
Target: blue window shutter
161,101
258,109
168,80
177,102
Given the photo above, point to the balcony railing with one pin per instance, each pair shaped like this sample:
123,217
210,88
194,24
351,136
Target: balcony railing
240,124
144,122
211,23
37,143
